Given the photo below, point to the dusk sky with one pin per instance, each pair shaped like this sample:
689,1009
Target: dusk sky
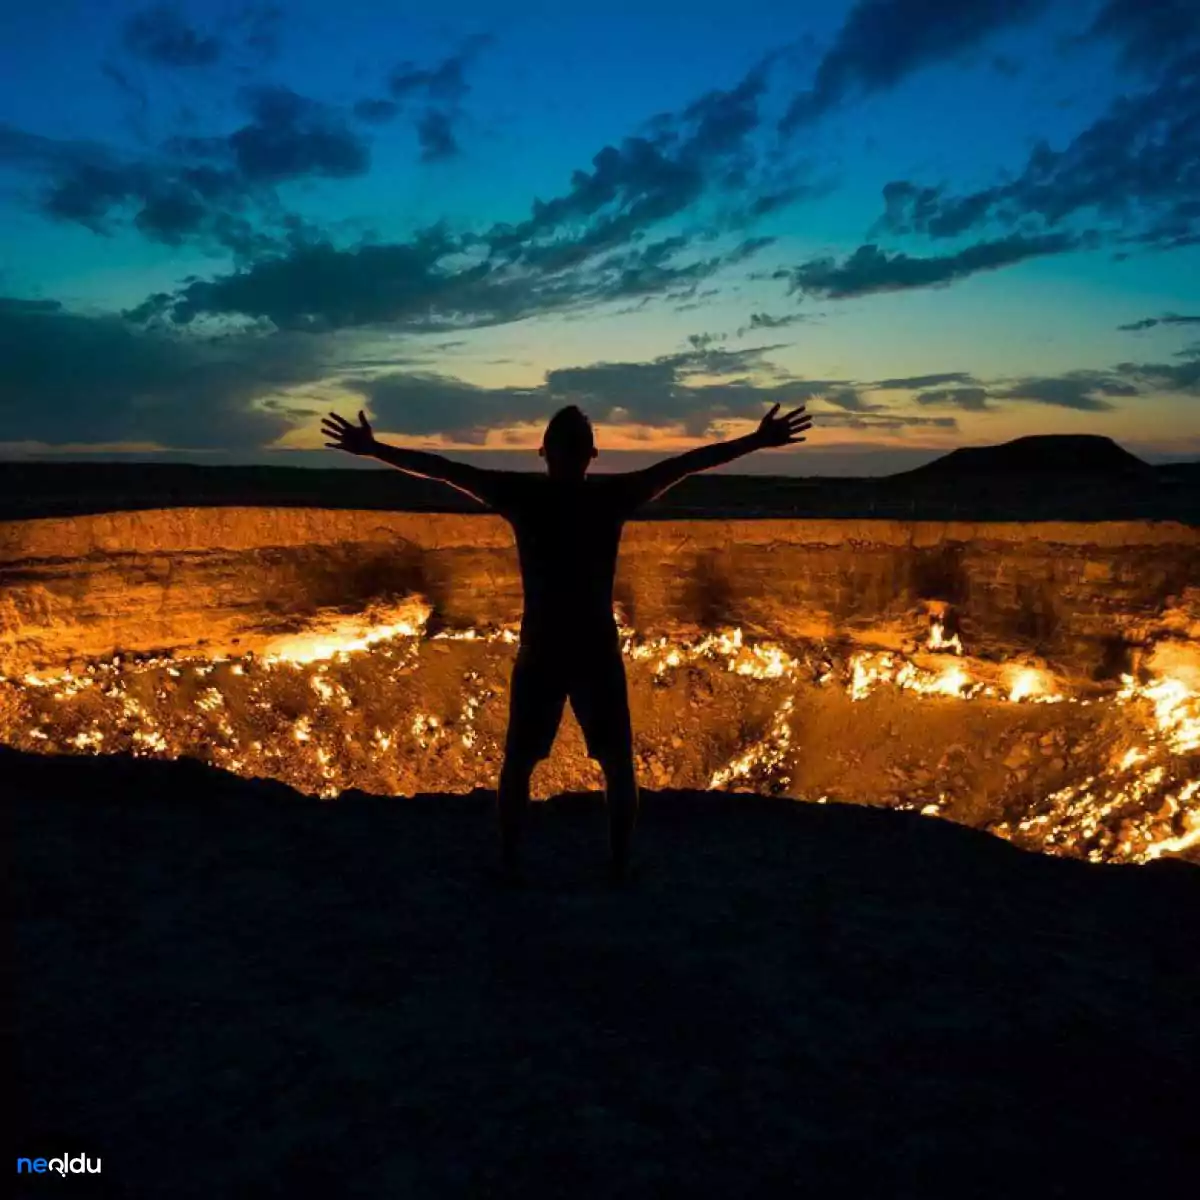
938,223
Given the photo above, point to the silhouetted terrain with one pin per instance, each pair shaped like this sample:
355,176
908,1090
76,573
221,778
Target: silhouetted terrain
1078,455
1037,478
227,989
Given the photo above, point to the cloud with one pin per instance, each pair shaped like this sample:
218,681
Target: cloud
892,422
768,201
210,191
376,112
667,393
12,305
638,184
921,381
848,399
589,245
882,42
1134,173
424,404
32,152
762,320
707,360
258,26
661,393
1166,377
1148,34
750,247
289,136
70,378
969,399
442,89
869,269
1079,390
1082,390
1165,319
161,36
436,281
318,286
131,91
435,132
447,81
649,179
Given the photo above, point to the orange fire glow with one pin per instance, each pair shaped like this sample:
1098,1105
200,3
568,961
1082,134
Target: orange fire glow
292,713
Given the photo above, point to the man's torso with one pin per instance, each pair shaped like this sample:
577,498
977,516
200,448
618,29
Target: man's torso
568,535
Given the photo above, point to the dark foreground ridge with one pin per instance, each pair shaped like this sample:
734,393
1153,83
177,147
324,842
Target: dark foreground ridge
228,989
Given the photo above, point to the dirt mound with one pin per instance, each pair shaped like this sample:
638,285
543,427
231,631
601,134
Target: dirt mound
226,988
1051,454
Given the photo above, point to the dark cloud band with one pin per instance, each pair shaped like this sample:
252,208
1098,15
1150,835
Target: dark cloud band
883,42
1165,319
870,270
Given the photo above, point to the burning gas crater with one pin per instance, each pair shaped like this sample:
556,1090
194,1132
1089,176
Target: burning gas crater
1111,773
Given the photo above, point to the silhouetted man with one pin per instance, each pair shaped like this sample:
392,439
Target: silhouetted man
567,528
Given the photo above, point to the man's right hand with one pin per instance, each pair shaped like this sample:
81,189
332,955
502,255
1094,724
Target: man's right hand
354,439
782,431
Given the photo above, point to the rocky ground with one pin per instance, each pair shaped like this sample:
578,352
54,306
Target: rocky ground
228,989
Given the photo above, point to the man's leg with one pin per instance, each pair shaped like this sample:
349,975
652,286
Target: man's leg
512,801
536,699
621,796
600,698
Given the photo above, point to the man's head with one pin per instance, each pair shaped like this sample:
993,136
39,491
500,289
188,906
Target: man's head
568,445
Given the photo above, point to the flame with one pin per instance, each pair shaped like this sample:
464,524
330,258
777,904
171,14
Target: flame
871,671
348,635
1191,821
938,641
1132,757
763,758
1176,710
1079,816
242,713
1028,683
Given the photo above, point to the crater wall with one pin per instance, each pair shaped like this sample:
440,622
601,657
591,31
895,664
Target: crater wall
1080,596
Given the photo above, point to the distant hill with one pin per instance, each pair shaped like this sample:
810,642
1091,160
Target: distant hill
1056,454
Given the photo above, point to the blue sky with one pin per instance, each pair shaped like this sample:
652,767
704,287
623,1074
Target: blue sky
936,222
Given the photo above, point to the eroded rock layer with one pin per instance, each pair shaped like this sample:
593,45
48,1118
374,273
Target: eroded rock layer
1081,596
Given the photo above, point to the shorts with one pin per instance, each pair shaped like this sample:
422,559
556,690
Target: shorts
594,681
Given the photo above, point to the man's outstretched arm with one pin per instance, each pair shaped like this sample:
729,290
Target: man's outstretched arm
649,484
359,439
